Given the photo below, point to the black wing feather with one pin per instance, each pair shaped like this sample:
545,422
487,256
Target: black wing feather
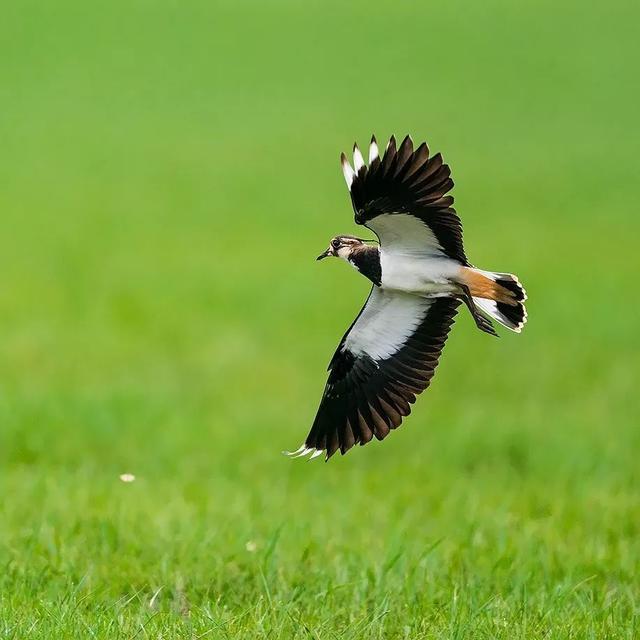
364,398
411,182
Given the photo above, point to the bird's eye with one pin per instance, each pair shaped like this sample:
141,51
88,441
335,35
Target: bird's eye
335,243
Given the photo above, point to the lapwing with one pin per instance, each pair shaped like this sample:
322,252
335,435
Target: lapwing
420,274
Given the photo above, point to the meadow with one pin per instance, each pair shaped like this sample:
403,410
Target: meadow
168,173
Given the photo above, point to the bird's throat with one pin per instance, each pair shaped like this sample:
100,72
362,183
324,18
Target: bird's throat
366,259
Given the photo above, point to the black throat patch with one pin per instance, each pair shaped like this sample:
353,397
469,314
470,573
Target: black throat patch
366,259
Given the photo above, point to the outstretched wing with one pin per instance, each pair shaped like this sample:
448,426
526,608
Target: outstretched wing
383,362
402,197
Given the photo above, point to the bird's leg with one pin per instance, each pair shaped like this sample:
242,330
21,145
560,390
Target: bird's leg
484,324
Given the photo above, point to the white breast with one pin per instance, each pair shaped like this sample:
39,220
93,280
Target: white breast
418,274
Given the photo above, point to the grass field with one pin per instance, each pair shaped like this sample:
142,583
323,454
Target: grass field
168,173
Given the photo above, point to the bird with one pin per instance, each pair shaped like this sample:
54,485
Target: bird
419,275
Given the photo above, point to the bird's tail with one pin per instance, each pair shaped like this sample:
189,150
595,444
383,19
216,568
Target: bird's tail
499,296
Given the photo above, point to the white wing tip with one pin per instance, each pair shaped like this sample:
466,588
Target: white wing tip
347,171
304,451
358,160
291,454
374,152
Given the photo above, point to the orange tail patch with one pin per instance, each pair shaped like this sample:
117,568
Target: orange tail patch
482,287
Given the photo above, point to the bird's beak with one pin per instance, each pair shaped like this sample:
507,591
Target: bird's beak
326,254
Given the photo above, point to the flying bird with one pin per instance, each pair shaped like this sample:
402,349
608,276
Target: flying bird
420,275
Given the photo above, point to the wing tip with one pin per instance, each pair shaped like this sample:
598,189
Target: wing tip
374,152
358,160
350,172
303,451
347,170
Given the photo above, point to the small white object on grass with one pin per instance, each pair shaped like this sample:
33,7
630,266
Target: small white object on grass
127,477
251,546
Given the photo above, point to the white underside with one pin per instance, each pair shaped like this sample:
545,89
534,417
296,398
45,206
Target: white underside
388,320
396,308
402,233
411,257
424,275
415,270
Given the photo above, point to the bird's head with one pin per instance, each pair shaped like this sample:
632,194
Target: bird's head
341,247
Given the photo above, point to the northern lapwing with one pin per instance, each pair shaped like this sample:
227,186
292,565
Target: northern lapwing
420,275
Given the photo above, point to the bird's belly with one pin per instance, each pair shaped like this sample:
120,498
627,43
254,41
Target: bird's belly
419,274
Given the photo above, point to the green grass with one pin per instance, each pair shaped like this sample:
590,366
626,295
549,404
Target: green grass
168,172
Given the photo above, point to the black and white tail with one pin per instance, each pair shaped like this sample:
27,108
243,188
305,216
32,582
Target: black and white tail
505,301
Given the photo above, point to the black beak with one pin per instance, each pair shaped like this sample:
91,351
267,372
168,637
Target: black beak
326,254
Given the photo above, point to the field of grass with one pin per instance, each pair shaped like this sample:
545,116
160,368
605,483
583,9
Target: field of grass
168,173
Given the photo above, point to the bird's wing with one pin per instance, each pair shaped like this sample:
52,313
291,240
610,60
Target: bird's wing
402,197
386,358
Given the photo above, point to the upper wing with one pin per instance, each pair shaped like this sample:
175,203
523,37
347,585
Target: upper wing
383,362
402,197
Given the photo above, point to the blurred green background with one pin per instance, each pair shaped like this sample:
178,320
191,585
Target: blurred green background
168,173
